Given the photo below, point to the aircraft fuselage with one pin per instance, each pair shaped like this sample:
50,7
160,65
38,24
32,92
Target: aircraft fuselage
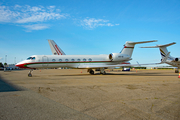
72,61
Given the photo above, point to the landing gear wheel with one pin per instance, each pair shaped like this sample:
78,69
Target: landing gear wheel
91,72
176,71
29,75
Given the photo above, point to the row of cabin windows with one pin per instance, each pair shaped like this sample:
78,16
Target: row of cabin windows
73,60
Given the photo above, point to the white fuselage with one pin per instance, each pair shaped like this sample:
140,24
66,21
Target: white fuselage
72,61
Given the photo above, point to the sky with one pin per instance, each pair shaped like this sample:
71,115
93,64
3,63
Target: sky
82,27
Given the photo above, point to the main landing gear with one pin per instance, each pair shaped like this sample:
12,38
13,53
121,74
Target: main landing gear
30,74
176,70
101,71
91,71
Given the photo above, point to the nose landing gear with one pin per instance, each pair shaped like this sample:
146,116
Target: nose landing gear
30,74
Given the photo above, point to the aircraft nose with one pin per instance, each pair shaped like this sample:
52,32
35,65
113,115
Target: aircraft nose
20,65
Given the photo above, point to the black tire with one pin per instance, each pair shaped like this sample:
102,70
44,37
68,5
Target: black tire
91,72
176,71
29,75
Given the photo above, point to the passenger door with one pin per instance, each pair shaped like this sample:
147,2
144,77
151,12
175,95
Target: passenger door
45,61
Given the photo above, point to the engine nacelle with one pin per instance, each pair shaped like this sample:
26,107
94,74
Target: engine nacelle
118,57
177,59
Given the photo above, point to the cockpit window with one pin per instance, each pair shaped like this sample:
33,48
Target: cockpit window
31,58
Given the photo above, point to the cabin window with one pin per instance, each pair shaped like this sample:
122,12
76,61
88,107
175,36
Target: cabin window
84,59
90,59
60,60
66,60
72,60
53,60
78,60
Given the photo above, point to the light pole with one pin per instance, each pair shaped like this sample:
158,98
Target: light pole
5,58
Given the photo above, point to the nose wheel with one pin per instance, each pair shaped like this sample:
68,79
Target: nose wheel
30,74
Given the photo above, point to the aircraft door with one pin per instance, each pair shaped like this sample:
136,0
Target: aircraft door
45,61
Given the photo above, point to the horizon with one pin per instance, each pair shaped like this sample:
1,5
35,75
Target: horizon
88,27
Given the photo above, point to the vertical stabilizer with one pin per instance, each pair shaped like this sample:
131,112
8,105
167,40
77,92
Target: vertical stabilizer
56,50
129,47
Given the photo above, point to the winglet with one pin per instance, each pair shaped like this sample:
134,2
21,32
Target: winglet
138,63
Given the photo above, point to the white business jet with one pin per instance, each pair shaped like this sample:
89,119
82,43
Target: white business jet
89,62
174,61
56,50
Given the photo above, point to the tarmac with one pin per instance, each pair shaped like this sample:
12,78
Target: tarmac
75,94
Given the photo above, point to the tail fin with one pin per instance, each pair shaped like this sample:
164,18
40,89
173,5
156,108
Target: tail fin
129,47
163,49
56,50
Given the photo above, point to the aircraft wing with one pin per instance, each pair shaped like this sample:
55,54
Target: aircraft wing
118,65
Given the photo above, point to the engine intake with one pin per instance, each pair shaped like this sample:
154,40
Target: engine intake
176,59
118,57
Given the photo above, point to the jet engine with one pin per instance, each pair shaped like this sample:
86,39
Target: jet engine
177,60
118,57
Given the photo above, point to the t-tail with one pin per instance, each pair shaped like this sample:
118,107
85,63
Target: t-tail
129,46
163,50
56,50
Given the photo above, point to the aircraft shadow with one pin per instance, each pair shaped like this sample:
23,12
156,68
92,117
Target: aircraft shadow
120,73
8,87
140,74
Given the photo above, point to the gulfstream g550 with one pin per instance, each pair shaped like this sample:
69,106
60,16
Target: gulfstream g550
89,62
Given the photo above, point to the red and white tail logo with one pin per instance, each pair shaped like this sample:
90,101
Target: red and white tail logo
56,50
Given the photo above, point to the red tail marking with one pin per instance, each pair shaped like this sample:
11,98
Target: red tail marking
58,49
128,47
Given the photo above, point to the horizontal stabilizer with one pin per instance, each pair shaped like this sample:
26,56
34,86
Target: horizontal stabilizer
129,42
166,45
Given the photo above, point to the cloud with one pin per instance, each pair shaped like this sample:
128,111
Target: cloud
91,23
26,15
29,28
40,17
7,15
